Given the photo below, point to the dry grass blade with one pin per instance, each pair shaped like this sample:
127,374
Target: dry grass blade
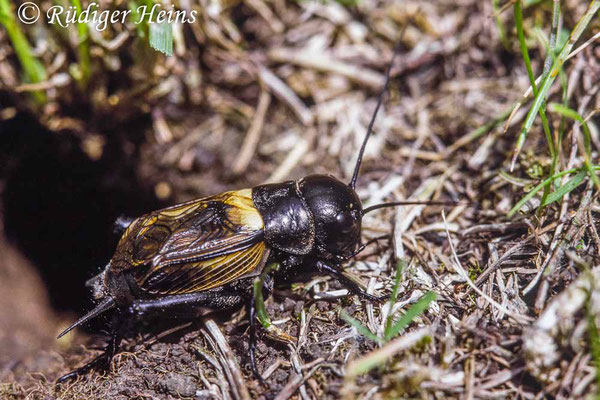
253,136
293,385
541,340
282,91
320,61
460,270
293,158
380,356
228,361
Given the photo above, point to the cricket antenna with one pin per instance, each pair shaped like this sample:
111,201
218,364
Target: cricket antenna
352,183
410,203
104,306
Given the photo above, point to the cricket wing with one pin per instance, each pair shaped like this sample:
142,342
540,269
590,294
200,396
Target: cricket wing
206,274
195,241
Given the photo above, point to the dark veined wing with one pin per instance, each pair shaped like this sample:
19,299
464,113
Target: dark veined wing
194,246
207,274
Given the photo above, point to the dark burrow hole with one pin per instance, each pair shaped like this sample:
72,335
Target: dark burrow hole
59,205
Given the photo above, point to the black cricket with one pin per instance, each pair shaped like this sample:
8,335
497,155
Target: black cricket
204,255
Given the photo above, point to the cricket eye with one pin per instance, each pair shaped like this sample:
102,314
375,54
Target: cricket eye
345,222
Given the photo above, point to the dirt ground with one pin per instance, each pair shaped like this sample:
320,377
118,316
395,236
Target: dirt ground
264,91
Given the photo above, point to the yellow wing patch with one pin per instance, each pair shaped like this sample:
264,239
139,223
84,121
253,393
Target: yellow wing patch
244,212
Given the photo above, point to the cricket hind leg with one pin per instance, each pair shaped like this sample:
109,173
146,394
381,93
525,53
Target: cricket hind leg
185,306
103,360
177,306
191,305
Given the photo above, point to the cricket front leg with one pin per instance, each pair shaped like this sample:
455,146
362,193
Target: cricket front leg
354,287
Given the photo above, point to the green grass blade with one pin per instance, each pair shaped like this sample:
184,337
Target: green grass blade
363,330
529,3
394,296
575,116
161,37
564,82
84,46
548,80
261,312
380,356
566,111
259,301
140,25
538,100
594,341
518,12
414,311
499,25
521,35
536,189
587,137
566,188
160,34
554,34
33,69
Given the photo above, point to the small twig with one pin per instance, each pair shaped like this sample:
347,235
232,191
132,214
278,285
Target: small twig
273,367
285,94
294,383
297,366
230,365
293,158
379,356
223,385
460,270
516,250
320,61
253,136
